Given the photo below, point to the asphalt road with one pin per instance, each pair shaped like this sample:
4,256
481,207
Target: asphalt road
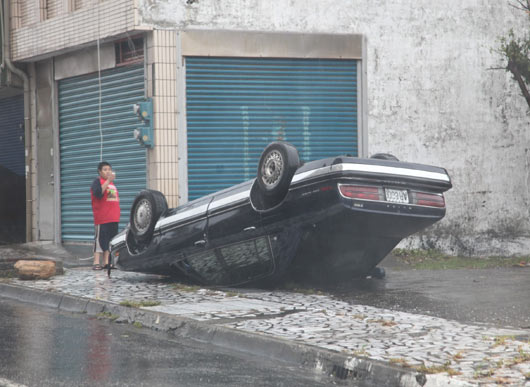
497,297
43,347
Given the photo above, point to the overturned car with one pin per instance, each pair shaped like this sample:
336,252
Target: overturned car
327,220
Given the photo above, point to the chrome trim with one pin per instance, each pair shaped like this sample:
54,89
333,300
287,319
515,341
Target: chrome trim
181,216
118,239
409,205
200,243
383,169
368,168
174,225
308,174
116,248
229,199
229,208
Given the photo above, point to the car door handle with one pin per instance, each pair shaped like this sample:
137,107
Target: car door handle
200,243
251,228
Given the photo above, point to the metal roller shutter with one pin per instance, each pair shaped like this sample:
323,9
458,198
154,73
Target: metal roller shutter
12,134
236,106
80,144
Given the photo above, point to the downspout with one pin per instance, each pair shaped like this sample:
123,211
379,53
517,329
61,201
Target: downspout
5,12
2,31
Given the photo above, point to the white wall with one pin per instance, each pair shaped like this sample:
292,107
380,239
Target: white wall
432,97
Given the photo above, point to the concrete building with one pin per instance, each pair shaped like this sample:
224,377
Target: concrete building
414,79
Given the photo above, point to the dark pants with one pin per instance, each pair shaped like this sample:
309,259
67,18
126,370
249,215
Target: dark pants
103,235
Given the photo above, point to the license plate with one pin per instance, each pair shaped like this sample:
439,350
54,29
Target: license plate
396,195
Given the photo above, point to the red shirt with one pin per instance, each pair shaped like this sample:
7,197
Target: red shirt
105,205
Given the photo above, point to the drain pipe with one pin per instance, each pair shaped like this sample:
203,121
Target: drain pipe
5,12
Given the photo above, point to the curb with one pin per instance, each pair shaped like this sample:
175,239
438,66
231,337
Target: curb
346,369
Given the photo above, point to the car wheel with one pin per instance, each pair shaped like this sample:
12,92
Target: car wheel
145,212
277,165
384,156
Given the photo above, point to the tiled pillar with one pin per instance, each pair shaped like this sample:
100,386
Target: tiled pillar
161,73
16,17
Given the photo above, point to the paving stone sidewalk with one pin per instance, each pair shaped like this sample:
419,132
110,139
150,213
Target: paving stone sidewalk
478,355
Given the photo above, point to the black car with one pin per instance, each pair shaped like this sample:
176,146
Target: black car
326,220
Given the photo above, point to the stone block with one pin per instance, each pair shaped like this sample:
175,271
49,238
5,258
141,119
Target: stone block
31,270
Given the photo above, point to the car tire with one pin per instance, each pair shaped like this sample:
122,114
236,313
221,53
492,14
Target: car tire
147,208
277,165
384,156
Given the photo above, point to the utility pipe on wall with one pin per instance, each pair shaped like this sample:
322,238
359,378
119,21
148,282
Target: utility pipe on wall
6,59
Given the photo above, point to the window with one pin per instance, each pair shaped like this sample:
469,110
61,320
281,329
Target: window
235,264
129,50
53,8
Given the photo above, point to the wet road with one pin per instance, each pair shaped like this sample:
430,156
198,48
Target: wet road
43,347
498,297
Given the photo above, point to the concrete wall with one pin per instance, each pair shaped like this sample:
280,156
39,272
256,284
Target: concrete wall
432,97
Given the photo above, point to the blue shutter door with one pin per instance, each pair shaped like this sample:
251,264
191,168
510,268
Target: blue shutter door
80,144
236,106
12,134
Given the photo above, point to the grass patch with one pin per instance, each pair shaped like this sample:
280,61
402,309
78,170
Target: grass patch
385,323
137,324
485,373
139,304
108,315
487,368
436,369
308,291
185,288
453,372
501,340
8,274
293,287
503,381
521,357
400,362
436,260
361,352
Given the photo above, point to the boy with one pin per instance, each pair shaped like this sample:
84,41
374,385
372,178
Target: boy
106,210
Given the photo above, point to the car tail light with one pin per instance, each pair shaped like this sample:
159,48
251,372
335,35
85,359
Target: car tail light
430,200
360,192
